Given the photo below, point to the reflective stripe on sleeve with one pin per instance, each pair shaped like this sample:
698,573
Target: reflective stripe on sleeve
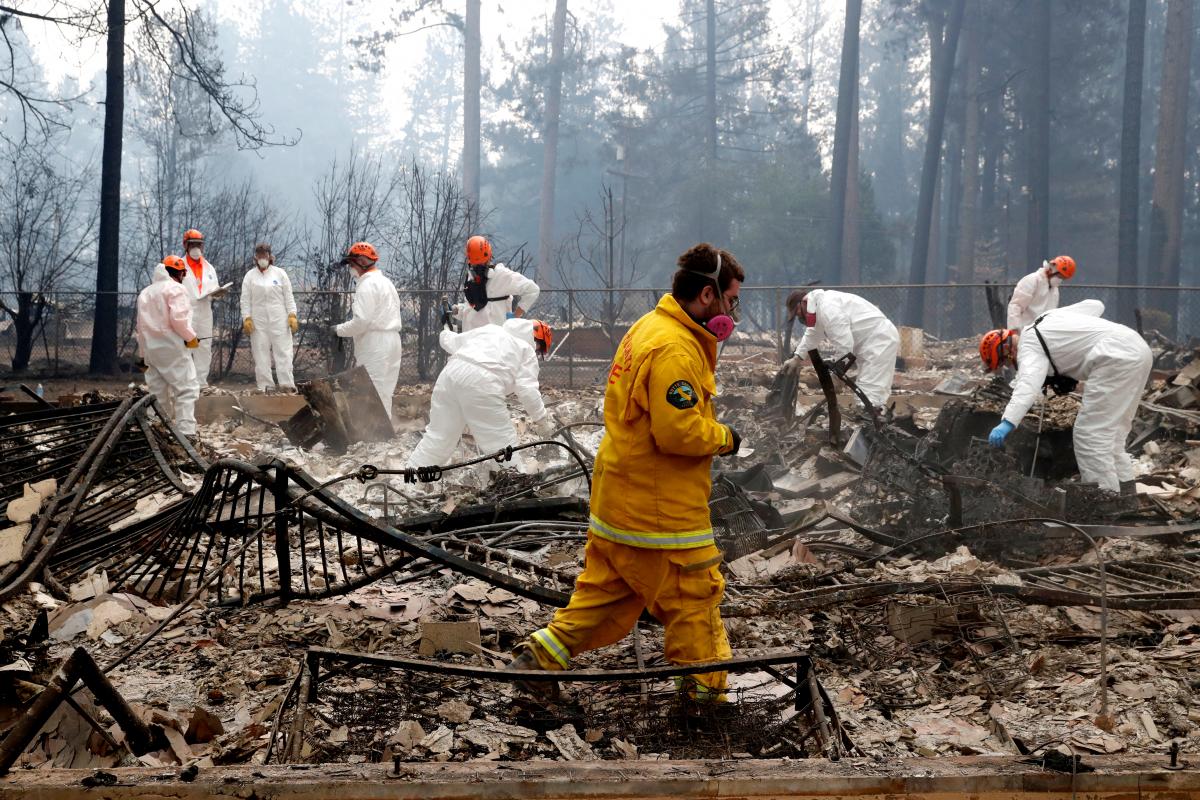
553,646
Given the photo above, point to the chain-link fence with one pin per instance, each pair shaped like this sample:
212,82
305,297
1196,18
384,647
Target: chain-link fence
588,324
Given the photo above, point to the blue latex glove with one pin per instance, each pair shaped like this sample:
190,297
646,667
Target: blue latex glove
509,315
998,434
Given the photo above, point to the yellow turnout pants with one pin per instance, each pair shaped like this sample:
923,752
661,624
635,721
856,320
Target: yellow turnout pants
681,588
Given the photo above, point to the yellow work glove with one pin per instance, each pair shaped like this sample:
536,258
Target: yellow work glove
247,326
293,323
192,344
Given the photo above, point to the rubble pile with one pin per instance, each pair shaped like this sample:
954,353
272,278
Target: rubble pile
905,561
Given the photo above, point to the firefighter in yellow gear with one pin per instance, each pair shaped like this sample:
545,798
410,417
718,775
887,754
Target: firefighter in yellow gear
650,540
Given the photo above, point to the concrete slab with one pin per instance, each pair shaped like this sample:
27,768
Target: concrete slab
962,778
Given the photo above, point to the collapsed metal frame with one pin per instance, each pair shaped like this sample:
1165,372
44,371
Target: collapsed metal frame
809,699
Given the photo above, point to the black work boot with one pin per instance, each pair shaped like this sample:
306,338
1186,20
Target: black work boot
526,660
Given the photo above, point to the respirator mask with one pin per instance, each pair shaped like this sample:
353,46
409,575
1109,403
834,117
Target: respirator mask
721,326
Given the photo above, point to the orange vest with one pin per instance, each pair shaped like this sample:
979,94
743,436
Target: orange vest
197,268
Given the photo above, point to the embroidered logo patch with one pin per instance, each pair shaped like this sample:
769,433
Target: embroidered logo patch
681,395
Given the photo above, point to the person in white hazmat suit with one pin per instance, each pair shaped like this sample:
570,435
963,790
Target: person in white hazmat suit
164,337
490,289
203,286
1037,292
1075,344
850,324
375,322
485,366
269,318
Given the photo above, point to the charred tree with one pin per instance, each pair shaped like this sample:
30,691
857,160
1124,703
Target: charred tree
1131,143
851,232
1166,211
847,83
939,96
104,329
550,144
968,212
1037,115
471,84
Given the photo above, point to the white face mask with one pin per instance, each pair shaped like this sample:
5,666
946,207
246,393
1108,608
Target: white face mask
195,253
263,263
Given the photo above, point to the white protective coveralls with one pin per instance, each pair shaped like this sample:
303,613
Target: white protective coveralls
1115,363
164,324
267,300
486,365
201,293
852,325
375,328
1034,295
503,285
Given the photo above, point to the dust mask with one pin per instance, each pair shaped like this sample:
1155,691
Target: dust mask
195,253
263,263
721,325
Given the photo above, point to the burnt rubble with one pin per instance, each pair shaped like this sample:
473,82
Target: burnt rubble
897,589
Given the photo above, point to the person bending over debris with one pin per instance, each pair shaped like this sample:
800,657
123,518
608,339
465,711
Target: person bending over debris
375,322
1061,348
486,365
650,542
203,286
851,325
269,318
1037,292
490,289
164,337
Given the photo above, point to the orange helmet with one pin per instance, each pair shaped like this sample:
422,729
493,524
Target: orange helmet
192,235
479,250
543,337
363,249
174,263
992,347
1064,266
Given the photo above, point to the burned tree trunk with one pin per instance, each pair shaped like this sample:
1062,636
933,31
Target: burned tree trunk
847,83
471,83
939,96
1131,144
550,144
1166,213
104,327
1037,116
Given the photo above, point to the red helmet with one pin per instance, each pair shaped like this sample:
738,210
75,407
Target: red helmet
992,347
1064,266
479,250
174,263
192,235
543,337
363,249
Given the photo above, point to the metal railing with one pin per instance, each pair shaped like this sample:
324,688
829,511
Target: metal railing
588,325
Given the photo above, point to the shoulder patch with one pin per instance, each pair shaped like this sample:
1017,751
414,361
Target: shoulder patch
681,395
